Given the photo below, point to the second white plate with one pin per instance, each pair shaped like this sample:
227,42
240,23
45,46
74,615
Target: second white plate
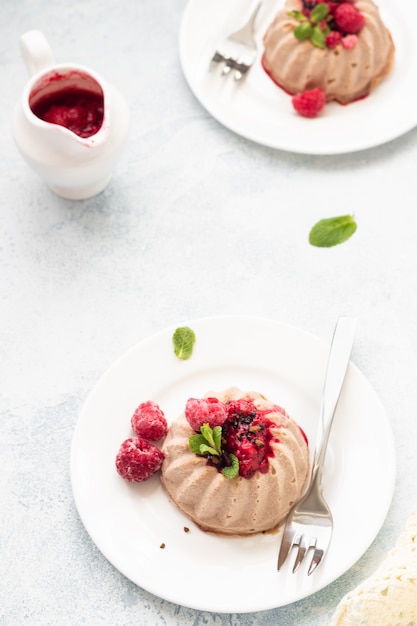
130,522
259,110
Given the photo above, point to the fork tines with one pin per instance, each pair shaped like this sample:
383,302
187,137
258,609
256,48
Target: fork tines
240,68
238,51
290,541
309,524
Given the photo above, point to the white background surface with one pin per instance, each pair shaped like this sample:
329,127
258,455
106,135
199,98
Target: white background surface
196,222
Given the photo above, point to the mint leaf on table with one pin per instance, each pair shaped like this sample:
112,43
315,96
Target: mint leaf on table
183,340
332,231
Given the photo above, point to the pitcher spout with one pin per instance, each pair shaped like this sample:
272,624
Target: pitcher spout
69,147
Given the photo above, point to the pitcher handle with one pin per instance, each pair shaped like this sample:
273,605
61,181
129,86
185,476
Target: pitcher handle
36,51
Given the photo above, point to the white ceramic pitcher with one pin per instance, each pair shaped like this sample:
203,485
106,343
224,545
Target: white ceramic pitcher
76,159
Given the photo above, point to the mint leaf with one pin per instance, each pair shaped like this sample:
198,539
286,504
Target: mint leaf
300,17
318,37
233,470
332,231
207,433
183,340
204,449
303,31
314,26
209,443
195,442
319,12
217,437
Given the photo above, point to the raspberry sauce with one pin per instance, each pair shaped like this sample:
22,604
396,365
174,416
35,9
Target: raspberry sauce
246,433
78,110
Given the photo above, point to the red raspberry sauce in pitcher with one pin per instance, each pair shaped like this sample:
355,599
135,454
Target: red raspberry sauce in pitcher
79,110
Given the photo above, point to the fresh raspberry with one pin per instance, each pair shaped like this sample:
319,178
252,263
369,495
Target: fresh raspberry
148,421
138,459
199,411
333,39
332,6
309,103
349,41
348,19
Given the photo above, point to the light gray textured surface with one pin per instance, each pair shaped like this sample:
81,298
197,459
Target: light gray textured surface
196,222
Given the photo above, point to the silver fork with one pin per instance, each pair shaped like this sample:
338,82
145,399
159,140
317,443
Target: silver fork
310,523
239,50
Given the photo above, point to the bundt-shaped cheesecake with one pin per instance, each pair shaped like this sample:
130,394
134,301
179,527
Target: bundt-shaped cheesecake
271,451
347,67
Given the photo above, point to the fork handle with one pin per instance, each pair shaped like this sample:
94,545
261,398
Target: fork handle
248,29
340,350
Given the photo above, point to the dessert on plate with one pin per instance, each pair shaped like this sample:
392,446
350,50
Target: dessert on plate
342,47
234,462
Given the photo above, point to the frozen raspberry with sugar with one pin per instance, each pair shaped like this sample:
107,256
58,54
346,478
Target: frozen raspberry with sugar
138,459
309,103
149,421
199,411
348,19
248,436
241,408
333,39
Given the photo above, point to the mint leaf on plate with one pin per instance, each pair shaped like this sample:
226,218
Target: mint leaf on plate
332,231
183,340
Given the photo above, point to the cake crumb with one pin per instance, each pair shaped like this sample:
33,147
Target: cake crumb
186,529
162,546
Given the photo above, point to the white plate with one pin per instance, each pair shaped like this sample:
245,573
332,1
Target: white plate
259,110
129,522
